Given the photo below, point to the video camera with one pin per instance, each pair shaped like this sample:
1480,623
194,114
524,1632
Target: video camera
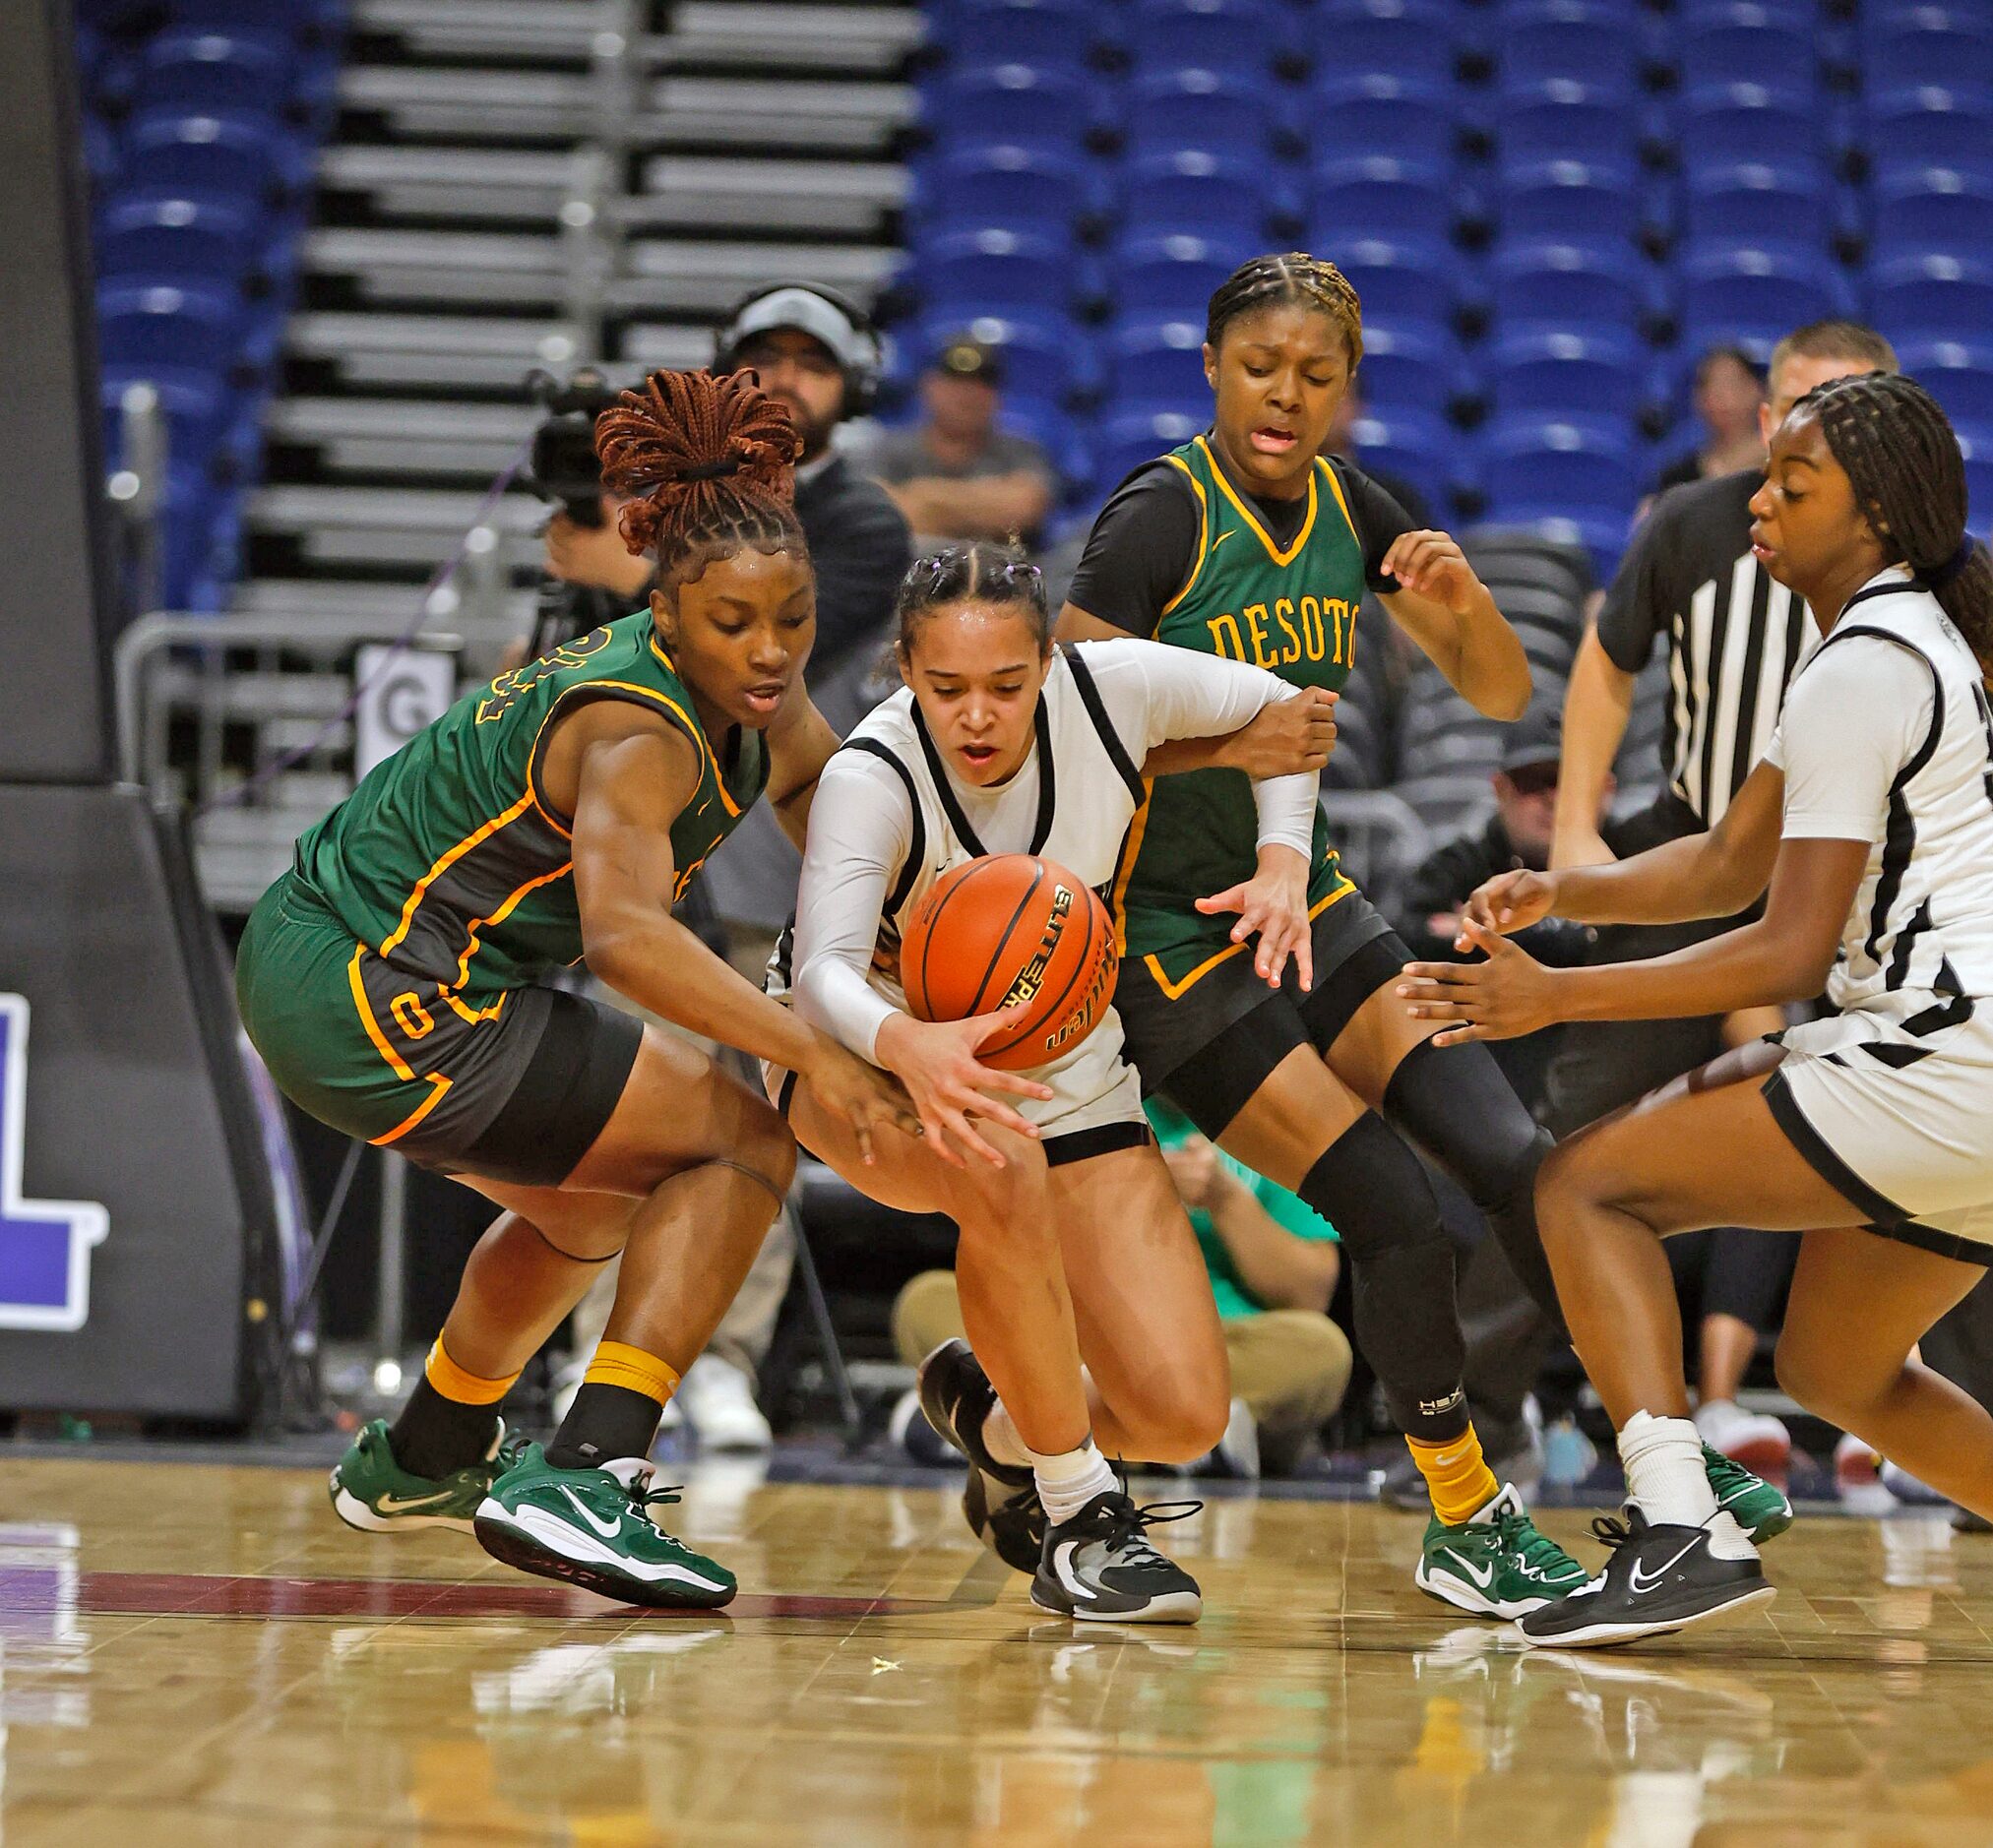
566,472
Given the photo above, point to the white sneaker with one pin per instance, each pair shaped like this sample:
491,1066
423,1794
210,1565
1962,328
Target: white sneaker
717,1400
1757,1440
1855,1462
1907,1489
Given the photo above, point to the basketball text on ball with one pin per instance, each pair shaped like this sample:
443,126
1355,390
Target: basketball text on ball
1031,977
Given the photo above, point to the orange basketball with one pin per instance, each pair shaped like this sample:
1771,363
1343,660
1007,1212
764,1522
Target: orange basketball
1012,930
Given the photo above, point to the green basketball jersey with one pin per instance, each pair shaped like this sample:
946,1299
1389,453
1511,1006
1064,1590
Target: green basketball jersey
447,861
1291,611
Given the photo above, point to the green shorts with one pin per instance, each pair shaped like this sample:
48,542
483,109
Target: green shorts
516,1089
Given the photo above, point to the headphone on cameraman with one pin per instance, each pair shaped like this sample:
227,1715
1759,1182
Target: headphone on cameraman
825,314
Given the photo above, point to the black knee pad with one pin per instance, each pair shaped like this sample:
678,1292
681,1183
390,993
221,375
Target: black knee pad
1456,1104
1369,1186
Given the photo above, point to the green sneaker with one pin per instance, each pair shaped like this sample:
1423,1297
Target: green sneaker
372,1492
1496,1565
593,1527
1752,1503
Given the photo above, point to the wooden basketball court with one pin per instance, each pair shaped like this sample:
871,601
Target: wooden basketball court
199,1654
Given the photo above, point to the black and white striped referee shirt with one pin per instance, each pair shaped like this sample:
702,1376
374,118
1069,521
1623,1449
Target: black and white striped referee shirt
1734,636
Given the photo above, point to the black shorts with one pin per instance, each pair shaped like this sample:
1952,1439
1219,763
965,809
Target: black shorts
1217,1040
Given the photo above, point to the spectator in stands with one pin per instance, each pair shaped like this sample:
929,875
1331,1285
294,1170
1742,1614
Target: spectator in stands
1273,1264
957,475
1342,440
1516,834
1734,638
816,355
1730,400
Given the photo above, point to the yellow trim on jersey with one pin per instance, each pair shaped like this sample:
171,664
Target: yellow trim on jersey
1246,514
1131,851
483,832
470,1015
688,724
705,743
472,943
1335,488
1174,991
396,1063
1203,532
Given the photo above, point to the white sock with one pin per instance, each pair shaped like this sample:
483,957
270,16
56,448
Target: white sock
1663,1459
1000,1438
1070,1479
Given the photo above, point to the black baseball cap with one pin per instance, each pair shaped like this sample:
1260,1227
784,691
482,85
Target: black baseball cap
966,357
1535,739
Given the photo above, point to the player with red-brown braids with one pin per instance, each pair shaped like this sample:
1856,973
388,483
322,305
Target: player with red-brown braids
395,980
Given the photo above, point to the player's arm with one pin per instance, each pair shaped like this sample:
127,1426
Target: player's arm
1279,1270
1444,608
986,507
799,743
635,772
1596,707
1784,955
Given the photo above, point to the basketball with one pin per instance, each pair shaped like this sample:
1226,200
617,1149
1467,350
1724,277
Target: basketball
1012,930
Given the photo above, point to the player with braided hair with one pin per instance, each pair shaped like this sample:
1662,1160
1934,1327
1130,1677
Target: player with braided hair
1247,543
395,981
1870,821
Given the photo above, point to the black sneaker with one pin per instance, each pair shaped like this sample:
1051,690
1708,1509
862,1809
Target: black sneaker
1001,1501
1098,1568
1659,1580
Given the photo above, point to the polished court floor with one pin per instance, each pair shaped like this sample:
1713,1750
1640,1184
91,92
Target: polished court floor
199,1654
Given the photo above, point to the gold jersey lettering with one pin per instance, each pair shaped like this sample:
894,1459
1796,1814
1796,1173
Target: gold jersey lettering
1313,643
1283,614
1256,624
1223,629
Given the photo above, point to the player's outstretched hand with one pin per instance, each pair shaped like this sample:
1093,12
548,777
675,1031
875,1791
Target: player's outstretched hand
1275,903
1507,996
948,1083
858,1092
1509,902
1286,738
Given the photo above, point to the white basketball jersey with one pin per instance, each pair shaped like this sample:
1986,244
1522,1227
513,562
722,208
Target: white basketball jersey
1916,952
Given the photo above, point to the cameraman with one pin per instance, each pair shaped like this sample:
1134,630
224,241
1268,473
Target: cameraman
816,352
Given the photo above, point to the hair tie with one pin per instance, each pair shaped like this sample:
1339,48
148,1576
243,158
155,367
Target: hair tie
1953,566
710,470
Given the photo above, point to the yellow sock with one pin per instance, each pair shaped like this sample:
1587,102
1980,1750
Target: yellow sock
619,1364
466,1388
1458,1474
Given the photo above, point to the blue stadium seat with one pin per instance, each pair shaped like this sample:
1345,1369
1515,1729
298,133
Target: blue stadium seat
1754,203
192,326
215,154
308,18
1959,373
1562,118
1051,34
1243,36
1534,280
196,406
1937,126
1933,297
100,154
1750,121
1573,462
1581,39
1756,295
1976,447
1933,208
994,271
1597,373
1157,361
1413,444
1408,118
1171,276
1206,194
1572,201
172,234
1021,188
1014,103
1722,41
1374,196
215,70
1407,38
1045,358
1407,367
1405,284
1217,111
1139,434
1928,45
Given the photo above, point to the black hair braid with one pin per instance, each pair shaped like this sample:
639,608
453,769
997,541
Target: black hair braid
1896,447
979,572
1296,276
